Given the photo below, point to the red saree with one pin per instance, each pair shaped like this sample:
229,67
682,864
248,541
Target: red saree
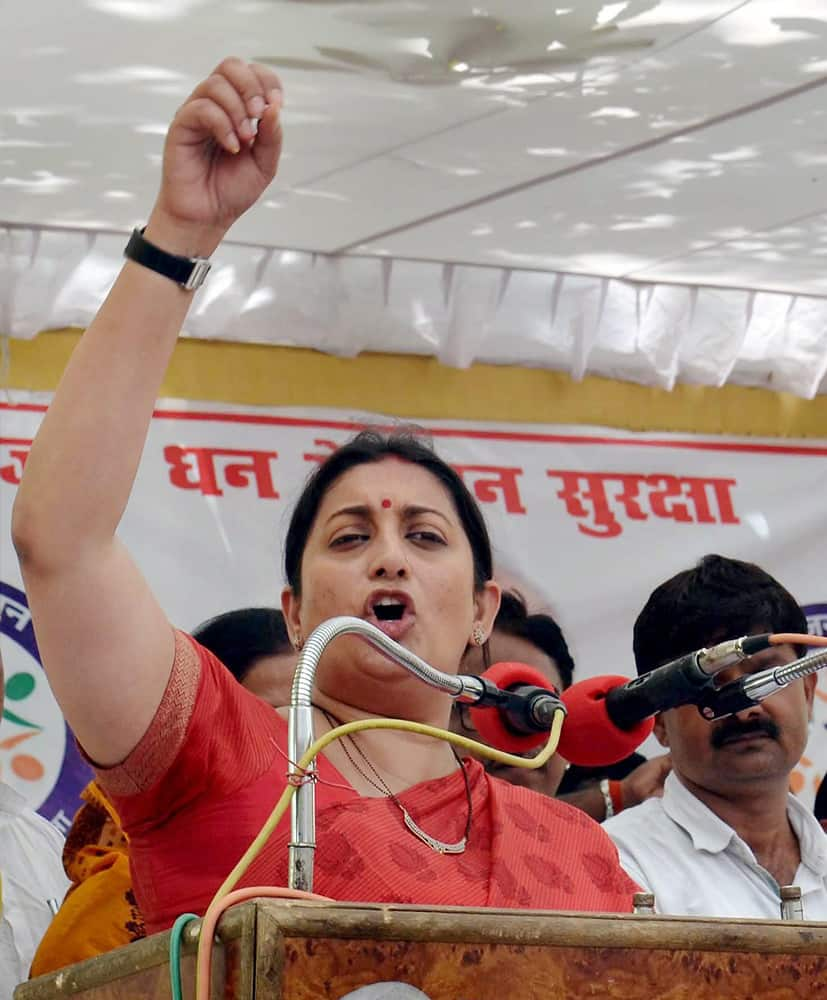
196,790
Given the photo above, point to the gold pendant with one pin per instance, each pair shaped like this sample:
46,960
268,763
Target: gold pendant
436,845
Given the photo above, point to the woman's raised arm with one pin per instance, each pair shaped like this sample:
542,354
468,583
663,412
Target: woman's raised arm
106,644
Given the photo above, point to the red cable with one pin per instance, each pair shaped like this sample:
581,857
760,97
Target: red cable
208,924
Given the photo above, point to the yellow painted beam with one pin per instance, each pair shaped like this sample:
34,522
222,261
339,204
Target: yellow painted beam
422,388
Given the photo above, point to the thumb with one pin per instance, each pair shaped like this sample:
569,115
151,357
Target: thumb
267,146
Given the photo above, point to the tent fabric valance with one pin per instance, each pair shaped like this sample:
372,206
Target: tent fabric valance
650,333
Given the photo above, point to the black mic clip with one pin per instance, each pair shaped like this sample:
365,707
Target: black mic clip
527,708
524,708
716,703
485,694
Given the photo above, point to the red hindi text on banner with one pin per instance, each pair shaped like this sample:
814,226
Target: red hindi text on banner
597,499
200,469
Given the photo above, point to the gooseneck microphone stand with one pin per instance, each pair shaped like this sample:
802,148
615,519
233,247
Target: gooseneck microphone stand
300,726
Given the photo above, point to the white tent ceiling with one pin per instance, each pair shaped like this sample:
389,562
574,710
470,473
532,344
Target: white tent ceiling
637,189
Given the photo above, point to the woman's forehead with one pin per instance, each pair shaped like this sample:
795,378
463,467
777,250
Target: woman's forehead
391,483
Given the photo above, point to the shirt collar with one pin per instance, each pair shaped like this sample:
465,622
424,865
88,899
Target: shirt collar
710,833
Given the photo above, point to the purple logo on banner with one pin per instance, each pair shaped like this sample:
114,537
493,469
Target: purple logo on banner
816,618
38,755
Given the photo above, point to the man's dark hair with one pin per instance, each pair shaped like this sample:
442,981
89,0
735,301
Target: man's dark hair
717,599
239,638
372,446
540,630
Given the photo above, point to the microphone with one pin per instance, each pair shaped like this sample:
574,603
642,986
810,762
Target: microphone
516,711
608,717
679,682
596,732
752,689
517,717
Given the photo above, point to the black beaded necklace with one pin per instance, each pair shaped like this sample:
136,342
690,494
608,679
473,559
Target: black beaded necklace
440,846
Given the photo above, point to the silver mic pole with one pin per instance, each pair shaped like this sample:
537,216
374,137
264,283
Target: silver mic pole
754,688
300,726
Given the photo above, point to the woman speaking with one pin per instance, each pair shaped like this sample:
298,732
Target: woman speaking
384,530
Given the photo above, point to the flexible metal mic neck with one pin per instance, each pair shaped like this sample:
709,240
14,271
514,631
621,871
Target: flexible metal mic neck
761,685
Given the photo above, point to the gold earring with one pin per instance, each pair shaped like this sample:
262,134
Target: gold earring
478,634
298,643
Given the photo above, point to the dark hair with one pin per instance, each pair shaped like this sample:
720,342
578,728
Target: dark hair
717,599
540,630
239,638
372,446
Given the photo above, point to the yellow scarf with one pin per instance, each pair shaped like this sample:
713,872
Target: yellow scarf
99,912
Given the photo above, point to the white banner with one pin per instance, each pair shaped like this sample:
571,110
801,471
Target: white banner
589,520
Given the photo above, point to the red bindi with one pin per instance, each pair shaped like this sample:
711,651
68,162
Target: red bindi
386,503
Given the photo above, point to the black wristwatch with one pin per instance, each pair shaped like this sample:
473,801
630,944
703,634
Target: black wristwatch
188,272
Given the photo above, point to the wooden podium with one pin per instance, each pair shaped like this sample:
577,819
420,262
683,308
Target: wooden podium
274,950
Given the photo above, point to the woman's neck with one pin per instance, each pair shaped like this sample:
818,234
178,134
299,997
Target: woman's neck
401,758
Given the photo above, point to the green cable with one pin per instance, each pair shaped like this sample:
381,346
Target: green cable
175,936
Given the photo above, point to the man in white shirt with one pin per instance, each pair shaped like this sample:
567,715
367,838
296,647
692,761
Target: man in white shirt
31,874
727,834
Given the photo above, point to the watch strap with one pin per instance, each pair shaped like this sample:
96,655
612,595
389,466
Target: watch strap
188,272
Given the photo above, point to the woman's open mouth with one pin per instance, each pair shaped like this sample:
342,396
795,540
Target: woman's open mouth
391,611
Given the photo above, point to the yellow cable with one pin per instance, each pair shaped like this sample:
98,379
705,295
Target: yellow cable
316,748
401,724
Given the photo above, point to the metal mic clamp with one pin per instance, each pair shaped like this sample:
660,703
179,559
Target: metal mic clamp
716,703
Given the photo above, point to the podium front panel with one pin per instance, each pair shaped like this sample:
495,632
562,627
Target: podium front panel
277,950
